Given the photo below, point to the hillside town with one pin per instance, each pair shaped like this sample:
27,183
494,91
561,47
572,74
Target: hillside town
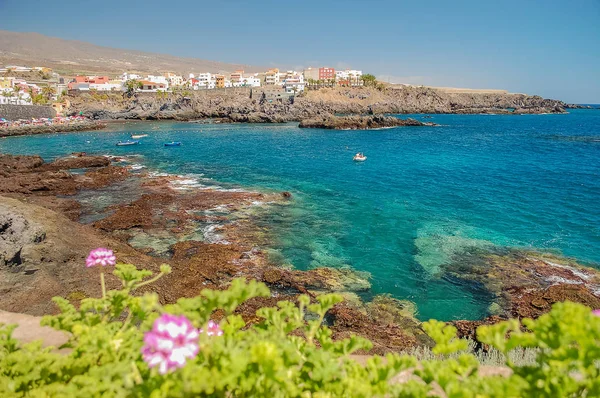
22,85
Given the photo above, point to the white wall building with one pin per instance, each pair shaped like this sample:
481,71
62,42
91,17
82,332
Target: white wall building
341,75
294,82
106,86
204,81
281,78
158,79
250,81
354,76
272,77
175,80
130,76
8,96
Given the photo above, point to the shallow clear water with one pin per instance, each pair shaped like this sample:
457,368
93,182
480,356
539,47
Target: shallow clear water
423,194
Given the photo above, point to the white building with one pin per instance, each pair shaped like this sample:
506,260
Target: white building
110,86
294,82
174,79
158,79
282,77
148,86
8,96
341,75
204,81
249,81
130,76
350,75
272,77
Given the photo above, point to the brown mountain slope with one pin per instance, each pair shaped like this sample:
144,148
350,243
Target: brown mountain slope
71,56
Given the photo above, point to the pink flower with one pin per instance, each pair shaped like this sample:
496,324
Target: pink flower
596,312
212,329
170,343
100,256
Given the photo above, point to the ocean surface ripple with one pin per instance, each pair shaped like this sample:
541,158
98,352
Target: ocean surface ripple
424,194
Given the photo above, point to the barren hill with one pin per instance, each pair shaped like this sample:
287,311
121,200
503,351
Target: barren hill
71,56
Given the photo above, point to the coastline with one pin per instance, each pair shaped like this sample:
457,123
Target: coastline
253,106
32,129
155,218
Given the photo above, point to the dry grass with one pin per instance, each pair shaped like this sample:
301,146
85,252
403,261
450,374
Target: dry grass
493,357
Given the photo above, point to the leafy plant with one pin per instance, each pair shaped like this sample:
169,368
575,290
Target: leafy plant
131,86
288,353
369,80
568,343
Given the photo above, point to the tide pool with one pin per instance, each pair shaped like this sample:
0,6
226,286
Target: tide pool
424,195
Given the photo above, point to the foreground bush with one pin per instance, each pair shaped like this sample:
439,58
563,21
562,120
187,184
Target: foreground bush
131,346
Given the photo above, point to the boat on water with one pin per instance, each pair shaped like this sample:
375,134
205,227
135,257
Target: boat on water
127,143
173,143
134,136
359,157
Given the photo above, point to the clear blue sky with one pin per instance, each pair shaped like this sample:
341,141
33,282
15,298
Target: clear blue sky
550,48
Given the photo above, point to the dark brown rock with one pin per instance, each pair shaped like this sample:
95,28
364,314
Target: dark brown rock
31,129
359,122
78,162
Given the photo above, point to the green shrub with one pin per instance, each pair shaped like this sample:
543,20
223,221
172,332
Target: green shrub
288,354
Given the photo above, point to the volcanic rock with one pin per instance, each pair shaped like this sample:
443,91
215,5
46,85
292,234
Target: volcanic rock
359,122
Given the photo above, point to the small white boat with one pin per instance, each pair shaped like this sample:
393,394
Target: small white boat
359,157
127,143
135,136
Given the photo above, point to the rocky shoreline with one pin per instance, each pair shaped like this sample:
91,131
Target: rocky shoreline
41,213
247,105
332,122
155,219
31,129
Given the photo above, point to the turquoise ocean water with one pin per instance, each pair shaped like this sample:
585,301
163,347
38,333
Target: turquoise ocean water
423,194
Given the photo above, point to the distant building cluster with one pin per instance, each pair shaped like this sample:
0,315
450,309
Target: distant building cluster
20,91
45,86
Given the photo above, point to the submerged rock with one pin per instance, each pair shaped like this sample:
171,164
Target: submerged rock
39,263
318,279
526,283
388,326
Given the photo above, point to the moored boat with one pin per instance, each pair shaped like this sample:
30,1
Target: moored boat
139,135
127,143
173,143
359,157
